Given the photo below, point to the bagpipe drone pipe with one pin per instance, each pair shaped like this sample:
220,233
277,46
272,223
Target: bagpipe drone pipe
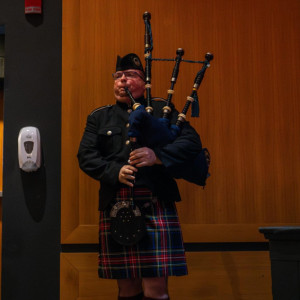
154,132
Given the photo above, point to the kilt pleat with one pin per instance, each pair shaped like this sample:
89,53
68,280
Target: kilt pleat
160,253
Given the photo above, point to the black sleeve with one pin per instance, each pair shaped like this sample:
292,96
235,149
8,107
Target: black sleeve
90,159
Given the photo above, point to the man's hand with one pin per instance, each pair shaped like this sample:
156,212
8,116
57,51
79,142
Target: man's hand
126,175
143,157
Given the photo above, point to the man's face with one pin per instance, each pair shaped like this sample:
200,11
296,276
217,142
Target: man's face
133,81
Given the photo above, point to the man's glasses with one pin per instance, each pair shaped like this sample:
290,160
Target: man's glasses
128,74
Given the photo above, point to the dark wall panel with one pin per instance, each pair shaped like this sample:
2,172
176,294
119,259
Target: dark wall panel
31,201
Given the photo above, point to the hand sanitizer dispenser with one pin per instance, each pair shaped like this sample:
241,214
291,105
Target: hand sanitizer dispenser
29,149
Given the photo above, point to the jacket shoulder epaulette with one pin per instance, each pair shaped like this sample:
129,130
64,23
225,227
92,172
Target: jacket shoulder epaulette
100,108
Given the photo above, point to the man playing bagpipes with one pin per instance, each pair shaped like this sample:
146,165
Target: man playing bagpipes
140,240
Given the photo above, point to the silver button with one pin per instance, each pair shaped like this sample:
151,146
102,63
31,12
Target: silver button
109,132
127,142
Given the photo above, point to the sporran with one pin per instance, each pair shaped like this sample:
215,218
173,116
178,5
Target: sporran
127,223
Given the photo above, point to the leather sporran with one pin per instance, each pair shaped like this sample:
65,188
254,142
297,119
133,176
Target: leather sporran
128,225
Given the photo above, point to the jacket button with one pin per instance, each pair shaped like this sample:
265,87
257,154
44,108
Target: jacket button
109,132
127,125
129,110
127,142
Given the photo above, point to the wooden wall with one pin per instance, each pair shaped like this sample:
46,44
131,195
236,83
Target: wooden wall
249,106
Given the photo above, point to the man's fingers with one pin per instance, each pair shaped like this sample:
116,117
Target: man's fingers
126,175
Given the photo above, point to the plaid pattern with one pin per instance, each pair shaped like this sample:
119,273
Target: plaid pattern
160,253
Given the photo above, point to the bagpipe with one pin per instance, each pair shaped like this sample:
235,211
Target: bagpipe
158,132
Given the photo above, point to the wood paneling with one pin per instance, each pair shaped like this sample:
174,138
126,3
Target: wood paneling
216,275
249,105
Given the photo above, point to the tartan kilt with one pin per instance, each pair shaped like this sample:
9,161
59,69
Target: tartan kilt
159,254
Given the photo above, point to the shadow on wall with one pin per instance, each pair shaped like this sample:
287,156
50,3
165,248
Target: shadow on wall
35,191
34,19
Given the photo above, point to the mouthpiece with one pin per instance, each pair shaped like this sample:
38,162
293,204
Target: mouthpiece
146,16
135,104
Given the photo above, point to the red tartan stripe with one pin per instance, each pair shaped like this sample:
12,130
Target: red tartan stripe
170,223
126,193
121,260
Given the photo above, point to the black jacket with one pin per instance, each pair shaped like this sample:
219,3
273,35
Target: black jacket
105,148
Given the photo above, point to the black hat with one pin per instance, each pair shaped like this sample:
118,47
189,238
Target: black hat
129,61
